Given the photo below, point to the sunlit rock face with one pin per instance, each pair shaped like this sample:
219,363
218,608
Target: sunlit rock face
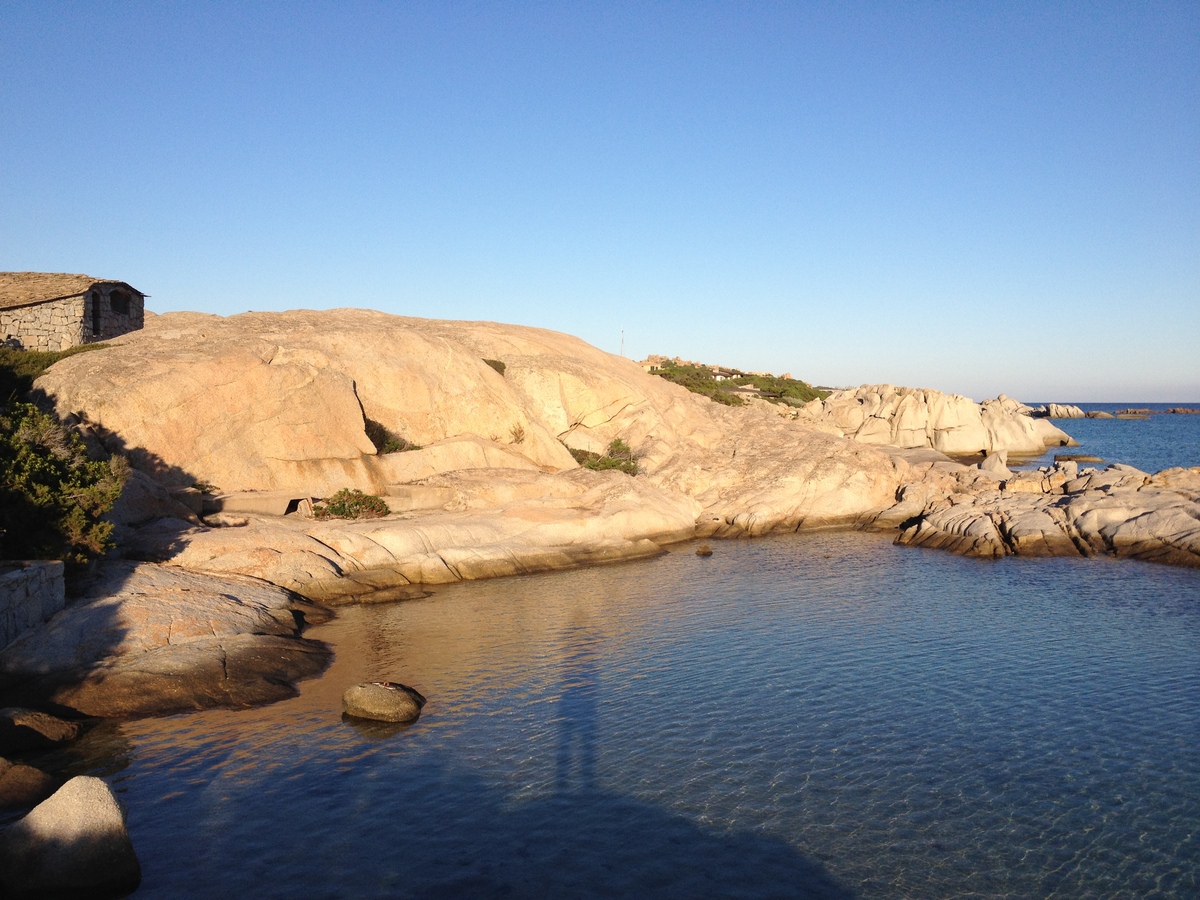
910,418
283,401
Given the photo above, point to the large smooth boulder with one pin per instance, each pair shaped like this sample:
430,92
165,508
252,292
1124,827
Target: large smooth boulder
145,639
1063,411
72,844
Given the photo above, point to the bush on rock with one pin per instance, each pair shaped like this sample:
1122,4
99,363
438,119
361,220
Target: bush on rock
619,456
52,497
352,504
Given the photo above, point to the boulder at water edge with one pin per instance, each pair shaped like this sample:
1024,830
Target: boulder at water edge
73,844
22,730
384,701
22,785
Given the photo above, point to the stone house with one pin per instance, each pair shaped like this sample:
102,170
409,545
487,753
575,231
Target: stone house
47,311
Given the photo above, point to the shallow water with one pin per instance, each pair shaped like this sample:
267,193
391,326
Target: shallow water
1159,442
808,715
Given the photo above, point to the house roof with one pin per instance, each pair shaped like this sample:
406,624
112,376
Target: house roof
26,288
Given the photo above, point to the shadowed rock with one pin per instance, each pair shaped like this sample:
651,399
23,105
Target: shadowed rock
23,730
147,640
22,785
72,844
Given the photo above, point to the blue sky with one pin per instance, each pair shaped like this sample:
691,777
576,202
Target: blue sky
975,197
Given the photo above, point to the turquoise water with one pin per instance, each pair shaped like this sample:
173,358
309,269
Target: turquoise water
808,715
1153,444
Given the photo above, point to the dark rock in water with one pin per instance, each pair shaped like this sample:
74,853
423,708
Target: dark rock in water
704,550
239,670
384,701
22,730
72,845
1099,414
1077,457
22,785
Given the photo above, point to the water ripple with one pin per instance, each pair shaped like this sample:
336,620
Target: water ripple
816,715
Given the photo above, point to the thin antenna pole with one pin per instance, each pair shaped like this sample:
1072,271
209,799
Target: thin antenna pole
622,341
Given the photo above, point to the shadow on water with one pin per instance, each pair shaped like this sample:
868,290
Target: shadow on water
436,831
575,760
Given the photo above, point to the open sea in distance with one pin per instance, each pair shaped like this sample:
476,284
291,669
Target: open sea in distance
820,715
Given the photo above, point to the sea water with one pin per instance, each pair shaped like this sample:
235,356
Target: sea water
1161,441
805,715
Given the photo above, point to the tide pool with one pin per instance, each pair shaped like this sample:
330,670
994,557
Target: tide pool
804,715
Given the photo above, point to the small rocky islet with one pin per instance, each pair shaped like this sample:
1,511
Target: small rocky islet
235,426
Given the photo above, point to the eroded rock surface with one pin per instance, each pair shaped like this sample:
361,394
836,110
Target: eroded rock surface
910,418
1064,511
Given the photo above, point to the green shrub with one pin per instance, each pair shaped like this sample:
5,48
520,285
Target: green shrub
386,440
351,504
619,456
52,496
20,368
496,364
700,380
790,391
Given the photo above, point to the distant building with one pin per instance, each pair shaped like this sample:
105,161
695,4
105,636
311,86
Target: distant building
47,311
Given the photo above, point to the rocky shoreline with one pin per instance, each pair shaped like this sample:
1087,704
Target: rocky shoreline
206,608
281,407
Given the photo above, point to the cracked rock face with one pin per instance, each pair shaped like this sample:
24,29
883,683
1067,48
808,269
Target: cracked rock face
1062,511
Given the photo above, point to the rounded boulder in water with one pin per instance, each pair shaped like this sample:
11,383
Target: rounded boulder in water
384,701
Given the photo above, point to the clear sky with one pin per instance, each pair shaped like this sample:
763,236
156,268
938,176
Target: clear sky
975,197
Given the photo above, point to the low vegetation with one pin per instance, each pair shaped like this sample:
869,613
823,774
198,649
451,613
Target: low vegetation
619,456
701,380
52,497
496,364
351,503
386,440
20,368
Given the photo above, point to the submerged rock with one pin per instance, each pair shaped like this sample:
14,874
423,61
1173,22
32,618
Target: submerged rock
72,844
384,701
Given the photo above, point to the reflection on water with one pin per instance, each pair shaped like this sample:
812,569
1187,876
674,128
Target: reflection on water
821,715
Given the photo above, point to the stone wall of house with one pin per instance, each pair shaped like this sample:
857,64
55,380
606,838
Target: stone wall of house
111,311
104,312
30,593
56,325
